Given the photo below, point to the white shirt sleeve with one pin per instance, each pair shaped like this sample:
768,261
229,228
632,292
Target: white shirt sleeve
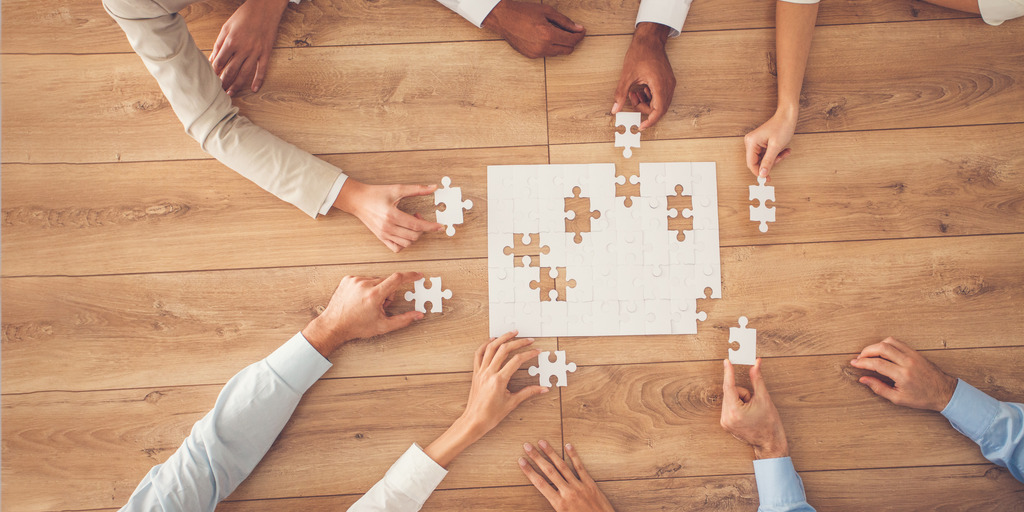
671,13
801,1
227,443
405,487
473,10
332,196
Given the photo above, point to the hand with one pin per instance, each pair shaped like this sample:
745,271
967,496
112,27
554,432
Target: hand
242,51
917,383
534,30
356,310
569,493
377,207
647,80
752,417
489,398
766,145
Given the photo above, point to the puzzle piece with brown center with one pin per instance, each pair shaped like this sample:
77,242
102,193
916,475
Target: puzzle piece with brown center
526,244
578,214
627,184
680,213
552,279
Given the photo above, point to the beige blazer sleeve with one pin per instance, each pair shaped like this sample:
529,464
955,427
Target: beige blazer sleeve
159,36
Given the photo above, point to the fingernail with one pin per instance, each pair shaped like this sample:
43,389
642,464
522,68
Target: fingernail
615,106
568,446
543,444
527,447
579,27
531,340
764,172
544,390
522,462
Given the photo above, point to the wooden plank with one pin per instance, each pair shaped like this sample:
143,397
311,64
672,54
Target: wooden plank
198,215
839,298
83,26
89,450
618,17
365,98
198,328
662,420
726,87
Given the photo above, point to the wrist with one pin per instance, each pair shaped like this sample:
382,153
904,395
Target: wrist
323,338
459,436
278,6
772,450
945,393
493,19
651,34
349,195
788,110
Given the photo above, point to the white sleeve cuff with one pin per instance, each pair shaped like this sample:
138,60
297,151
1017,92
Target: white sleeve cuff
298,363
474,10
995,12
332,195
295,1
671,13
416,474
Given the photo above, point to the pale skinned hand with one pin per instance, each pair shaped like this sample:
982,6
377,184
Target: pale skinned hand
752,417
242,51
534,30
377,207
647,81
490,401
766,145
568,493
917,383
357,310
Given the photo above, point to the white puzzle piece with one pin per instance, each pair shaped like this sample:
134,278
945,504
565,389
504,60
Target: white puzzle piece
451,197
747,341
433,295
629,139
762,213
546,368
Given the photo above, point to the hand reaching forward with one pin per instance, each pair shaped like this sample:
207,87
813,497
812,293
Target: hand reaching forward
569,493
647,80
242,51
752,417
377,207
917,383
357,310
766,145
489,398
533,29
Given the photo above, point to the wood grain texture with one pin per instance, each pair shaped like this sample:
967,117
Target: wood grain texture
198,328
662,420
357,99
726,87
199,215
89,450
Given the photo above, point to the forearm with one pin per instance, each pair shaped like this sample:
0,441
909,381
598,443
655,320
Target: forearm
794,29
453,441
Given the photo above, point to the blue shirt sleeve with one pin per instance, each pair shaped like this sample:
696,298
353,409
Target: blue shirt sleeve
997,427
227,443
779,488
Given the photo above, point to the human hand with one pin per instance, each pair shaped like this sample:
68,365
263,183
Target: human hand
917,383
569,493
533,29
357,310
242,51
766,145
377,207
647,80
489,398
752,417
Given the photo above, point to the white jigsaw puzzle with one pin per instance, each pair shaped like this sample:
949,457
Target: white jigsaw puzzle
627,140
747,341
451,197
762,213
547,368
433,295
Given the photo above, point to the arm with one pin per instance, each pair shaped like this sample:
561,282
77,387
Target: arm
751,417
794,28
997,427
532,29
647,81
227,444
410,481
160,37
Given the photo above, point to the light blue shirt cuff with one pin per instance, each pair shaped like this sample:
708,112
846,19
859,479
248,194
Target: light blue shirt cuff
971,411
671,13
298,363
778,485
332,195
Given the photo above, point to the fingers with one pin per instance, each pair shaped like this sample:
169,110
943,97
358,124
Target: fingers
566,39
245,73
217,58
753,152
659,104
744,393
492,348
622,91
538,481
757,380
884,349
389,286
501,355
878,365
729,394
410,222
578,464
415,190
478,356
261,72
563,22
527,393
556,460
396,322
768,160
516,362
879,388
231,72
545,467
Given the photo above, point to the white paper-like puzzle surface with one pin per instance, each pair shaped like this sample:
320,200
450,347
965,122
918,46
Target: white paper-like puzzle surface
546,368
433,295
762,213
747,341
568,257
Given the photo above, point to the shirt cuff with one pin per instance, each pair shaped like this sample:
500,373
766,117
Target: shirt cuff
416,474
332,195
995,12
801,1
777,483
671,13
971,411
298,363
476,11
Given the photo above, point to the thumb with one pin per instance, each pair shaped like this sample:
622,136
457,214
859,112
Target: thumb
622,92
770,154
879,388
396,322
528,392
415,190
